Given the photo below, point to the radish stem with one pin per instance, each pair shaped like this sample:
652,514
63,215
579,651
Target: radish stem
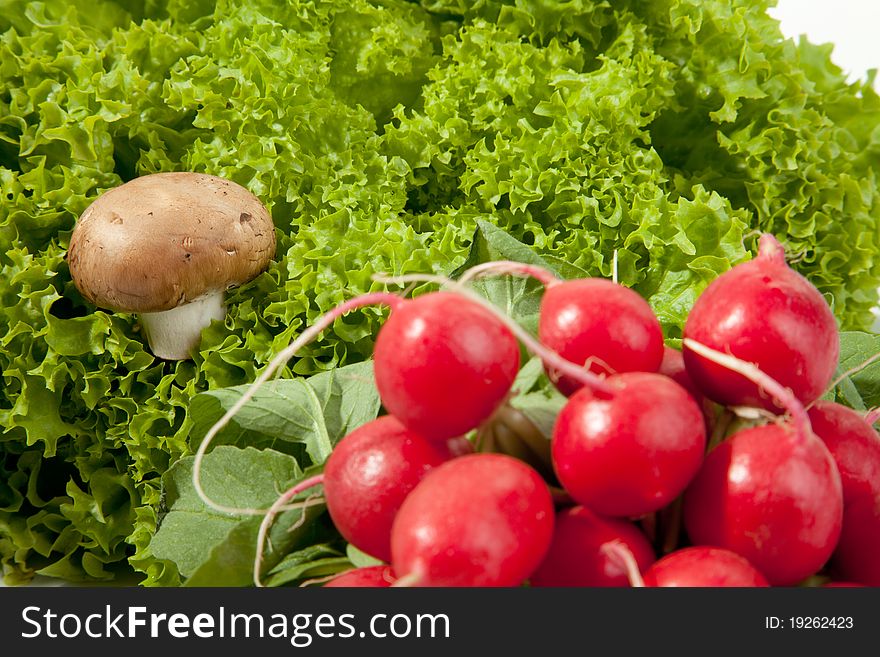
373,298
548,356
510,267
672,519
783,396
621,556
273,510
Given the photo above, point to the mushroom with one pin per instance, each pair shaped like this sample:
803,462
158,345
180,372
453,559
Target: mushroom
167,246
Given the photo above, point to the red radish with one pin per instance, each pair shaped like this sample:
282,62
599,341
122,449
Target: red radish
444,364
576,557
842,585
855,447
600,324
365,480
770,493
765,313
673,367
367,577
703,566
633,451
455,447
369,474
478,520
447,360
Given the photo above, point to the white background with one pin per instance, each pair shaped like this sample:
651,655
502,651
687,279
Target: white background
853,26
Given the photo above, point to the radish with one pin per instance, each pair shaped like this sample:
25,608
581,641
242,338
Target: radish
763,312
366,478
596,323
770,493
445,361
366,577
369,474
673,367
602,325
576,557
444,364
703,566
478,520
855,447
842,585
632,451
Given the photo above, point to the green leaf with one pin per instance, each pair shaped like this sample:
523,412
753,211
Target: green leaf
860,390
316,411
528,376
313,562
493,243
360,559
542,408
212,548
519,297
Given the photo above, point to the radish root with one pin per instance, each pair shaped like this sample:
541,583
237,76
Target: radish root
319,580
274,510
408,581
374,298
622,557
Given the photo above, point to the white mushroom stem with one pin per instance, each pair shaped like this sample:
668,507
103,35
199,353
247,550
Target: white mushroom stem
175,334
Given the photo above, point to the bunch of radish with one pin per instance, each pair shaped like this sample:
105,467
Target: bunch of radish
793,493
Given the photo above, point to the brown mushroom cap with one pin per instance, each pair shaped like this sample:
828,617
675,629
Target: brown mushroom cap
164,239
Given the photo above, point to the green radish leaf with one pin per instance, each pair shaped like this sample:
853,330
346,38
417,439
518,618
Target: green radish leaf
212,548
519,297
314,562
529,376
319,569
493,243
542,408
360,559
314,412
860,390
847,393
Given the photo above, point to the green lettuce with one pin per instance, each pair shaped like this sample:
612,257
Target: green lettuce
381,134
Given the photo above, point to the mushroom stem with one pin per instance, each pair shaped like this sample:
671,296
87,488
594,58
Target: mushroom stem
174,334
